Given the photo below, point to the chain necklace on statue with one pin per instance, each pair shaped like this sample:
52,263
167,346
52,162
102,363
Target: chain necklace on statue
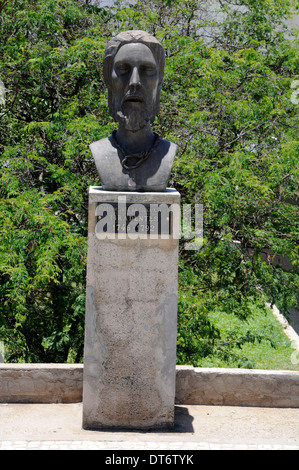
141,156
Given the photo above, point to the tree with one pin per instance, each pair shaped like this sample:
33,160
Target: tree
51,69
226,101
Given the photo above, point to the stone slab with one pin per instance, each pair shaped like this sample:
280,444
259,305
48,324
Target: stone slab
144,197
131,323
41,383
241,387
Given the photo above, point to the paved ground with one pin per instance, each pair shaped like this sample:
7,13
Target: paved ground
58,426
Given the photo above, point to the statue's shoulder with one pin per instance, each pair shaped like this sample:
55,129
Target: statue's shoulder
168,148
101,145
173,147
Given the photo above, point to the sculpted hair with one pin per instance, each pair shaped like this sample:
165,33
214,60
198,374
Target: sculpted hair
129,37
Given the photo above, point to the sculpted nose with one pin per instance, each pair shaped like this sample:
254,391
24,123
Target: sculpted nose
135,78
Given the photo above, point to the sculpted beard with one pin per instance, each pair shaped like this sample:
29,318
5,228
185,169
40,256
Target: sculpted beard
134,117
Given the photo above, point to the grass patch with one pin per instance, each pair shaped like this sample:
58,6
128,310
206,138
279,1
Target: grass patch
267,347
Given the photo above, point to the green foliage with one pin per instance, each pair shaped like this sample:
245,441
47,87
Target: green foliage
215,328
226,101
50,62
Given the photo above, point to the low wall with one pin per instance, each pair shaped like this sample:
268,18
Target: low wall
62,383
41,383
237,387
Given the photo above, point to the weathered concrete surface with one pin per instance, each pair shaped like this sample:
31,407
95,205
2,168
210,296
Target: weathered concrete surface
242,387
59,426
40,383
130,324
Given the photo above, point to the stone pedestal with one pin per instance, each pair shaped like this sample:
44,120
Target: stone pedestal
131,310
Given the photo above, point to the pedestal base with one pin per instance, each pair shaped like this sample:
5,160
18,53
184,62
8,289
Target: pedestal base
131,319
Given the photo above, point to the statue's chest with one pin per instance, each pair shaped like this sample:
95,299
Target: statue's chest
149,176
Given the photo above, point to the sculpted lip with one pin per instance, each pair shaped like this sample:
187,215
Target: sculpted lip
133,99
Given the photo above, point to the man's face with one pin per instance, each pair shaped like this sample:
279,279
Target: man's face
134,86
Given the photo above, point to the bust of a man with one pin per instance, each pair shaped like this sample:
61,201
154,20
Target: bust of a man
134,158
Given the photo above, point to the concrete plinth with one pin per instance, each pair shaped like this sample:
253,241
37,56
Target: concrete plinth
131,310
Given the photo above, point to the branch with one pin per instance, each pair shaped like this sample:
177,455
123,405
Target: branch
11,105
3,3
241,134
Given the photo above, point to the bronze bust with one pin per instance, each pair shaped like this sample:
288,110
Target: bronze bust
134,158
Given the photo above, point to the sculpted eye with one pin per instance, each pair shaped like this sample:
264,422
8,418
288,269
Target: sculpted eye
122,69
149,69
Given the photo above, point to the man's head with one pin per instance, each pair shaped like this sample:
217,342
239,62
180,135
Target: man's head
133,71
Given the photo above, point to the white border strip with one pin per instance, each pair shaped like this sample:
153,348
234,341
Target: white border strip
289,331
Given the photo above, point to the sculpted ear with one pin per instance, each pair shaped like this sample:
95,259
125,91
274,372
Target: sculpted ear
107,70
